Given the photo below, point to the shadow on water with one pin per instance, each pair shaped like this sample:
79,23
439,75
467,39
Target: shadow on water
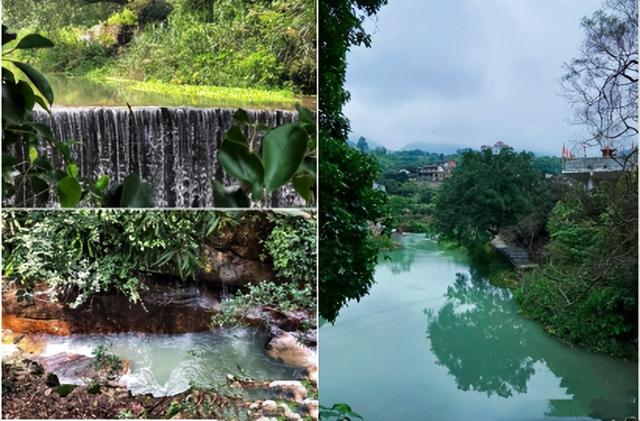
487,347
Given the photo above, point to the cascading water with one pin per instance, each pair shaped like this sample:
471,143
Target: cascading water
174,149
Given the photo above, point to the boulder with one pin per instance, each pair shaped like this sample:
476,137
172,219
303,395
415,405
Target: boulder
286,348
228,268
32,344
289,389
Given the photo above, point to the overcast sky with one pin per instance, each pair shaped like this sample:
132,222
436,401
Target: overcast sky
467,73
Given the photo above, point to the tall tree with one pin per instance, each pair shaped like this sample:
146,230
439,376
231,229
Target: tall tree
486,192
362,145
602,83
348,201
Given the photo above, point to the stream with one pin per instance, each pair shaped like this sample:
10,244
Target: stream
167,364
435,341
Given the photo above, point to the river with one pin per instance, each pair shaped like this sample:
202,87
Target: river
435,341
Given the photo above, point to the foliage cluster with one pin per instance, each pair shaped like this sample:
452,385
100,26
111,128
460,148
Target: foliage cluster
349,202
587,290
80,253
283,297
291,245
104,360
260,44
285,153
489,192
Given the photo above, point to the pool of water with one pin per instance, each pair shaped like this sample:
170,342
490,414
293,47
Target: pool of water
79,91
435,341
168,364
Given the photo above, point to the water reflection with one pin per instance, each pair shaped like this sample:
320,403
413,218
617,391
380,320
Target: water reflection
487,347
78,91
499,362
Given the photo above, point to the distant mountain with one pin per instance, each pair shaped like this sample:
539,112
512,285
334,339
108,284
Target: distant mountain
443,148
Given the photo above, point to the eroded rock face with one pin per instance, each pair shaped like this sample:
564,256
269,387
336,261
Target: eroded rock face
227,268
169,307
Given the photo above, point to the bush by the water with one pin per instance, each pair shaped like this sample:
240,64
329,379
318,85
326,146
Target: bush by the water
587,290
260,44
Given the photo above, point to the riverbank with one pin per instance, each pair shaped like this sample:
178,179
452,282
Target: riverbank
24,379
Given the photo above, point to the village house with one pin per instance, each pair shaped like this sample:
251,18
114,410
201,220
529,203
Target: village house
590,170
437,171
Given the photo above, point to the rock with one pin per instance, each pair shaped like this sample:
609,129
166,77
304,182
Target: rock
109,35
8,337
223,267
69,365
31,344
288,413
310,407
51,380
269,407
293,390
285,347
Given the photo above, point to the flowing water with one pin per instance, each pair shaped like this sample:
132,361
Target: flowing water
174,149
168,364
435,341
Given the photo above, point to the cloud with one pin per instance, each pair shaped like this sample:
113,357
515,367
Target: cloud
467,73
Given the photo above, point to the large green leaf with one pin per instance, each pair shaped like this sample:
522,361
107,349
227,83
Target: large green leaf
39,81
69,192
303,183
239,162
229,197
13,104
33,41
283,150
40,188
136,193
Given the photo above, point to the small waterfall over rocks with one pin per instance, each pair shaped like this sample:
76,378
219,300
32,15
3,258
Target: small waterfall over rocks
172,148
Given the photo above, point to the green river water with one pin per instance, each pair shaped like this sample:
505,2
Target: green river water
435,341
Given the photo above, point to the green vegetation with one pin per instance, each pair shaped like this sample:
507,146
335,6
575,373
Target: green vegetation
285,153
489,192
249,96
282,297
80,253
292,247
338,412
228,43
586,292
104,360
349,202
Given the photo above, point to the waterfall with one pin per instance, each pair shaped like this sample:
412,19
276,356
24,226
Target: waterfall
172,148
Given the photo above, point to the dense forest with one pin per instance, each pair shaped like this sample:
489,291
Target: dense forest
227,43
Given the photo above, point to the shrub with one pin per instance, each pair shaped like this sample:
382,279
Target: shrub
80,253
125,17
292,247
